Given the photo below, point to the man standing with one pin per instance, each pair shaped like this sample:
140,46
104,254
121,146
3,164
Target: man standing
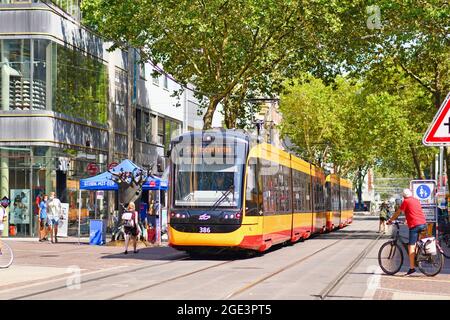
54,212
416,224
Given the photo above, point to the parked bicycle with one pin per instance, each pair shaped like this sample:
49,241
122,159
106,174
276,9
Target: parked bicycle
6,255
444,236
429,261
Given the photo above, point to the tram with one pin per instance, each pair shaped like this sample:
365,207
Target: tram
229,191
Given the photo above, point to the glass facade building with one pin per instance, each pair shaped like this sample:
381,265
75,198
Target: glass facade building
39,74
66,108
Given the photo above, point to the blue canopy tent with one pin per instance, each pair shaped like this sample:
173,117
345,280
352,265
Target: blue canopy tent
104,182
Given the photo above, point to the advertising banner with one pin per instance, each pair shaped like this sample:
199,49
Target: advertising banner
63,220
20,212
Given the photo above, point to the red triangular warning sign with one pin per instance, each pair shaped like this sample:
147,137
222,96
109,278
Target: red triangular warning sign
438,133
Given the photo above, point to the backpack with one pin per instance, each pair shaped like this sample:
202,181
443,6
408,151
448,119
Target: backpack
128,219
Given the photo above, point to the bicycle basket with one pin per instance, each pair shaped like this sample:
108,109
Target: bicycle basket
429,245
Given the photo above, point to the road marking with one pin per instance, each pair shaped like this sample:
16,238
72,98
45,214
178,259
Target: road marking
59,279
416,295
413,278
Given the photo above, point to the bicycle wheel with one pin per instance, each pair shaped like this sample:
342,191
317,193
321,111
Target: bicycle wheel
430,265
6,255
390,258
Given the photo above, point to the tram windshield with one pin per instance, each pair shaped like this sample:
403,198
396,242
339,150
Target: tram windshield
208,174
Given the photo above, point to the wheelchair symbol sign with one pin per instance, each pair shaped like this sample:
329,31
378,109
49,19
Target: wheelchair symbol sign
423,191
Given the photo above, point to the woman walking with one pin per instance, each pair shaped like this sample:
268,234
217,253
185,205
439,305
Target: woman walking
43,219
131,226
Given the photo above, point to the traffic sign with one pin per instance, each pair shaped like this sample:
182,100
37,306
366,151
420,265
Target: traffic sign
92,169
438,133
112,165
424,191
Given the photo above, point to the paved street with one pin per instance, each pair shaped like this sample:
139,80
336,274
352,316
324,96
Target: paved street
339,265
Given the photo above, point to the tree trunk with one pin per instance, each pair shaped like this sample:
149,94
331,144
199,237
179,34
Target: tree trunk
416,162
359,188
208,116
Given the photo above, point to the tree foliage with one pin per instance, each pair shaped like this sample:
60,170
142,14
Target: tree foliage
229,50
357,125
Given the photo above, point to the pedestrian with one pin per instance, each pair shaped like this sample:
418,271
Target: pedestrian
43,219
384,215
131,226
3,216
416,222
54,212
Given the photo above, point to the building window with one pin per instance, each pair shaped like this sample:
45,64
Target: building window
82,84
142,70
166,82
138,124
161,126
155,78
121,101
15,82
71,7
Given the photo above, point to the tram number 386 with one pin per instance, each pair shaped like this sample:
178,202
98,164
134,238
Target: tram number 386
204,230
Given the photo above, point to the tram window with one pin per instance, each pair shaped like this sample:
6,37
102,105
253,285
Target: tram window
285,196
253,195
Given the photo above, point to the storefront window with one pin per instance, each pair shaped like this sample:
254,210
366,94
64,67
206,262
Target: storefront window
29,173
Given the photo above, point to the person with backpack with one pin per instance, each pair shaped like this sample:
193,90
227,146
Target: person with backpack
384,216
130,218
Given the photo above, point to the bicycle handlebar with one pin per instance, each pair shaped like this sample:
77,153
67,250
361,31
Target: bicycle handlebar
397,222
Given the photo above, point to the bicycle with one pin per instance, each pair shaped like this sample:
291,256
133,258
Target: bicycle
390,256
6,255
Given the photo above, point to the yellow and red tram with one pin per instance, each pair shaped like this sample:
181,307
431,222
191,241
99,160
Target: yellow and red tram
229,191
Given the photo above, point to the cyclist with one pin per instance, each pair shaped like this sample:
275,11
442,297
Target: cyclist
416,222
2,218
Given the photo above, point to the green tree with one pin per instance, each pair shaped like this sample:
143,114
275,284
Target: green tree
224,48
354,126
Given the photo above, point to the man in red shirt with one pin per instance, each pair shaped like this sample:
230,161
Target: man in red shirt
416,223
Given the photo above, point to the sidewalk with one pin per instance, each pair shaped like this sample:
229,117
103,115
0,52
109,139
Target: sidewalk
36,261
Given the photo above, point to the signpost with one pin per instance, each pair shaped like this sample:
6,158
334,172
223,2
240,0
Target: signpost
438,135
425,192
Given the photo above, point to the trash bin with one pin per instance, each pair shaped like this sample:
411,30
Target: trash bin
97,232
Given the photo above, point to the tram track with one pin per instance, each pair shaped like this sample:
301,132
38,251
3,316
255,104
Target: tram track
92,279
280,270
332,284
165,281
336,281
